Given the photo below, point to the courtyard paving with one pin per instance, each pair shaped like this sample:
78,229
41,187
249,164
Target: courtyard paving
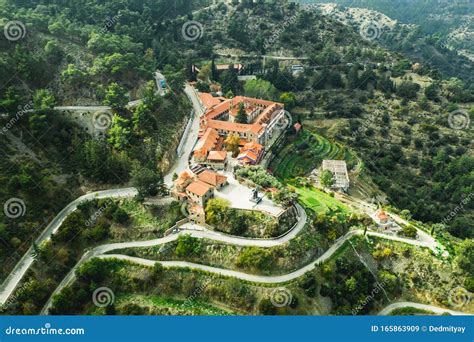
239,197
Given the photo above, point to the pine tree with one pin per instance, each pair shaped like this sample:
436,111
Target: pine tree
190,75
214,73
241,115
353,78
229,80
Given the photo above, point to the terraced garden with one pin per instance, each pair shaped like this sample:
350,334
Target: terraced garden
317,200
299,157
305,153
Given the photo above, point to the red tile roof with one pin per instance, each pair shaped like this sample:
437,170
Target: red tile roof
234,127
199,188
208,100
211,119
382,215
183,178
250,152
253,146
185,174
217,155
248,155
207,142
234,104
212,178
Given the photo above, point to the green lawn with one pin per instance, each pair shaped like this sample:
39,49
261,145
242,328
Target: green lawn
299,158
317,200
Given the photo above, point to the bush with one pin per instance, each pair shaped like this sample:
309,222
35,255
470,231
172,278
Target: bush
254,258
120,216
133,309
259,176
266,307
408,90
309,285
409,231
187,246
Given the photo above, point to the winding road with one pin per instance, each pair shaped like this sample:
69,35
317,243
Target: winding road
220,237
20,269
190,140
12,281
202,233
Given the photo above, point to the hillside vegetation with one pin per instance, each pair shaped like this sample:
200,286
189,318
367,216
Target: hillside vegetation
83,53
409,125
435,32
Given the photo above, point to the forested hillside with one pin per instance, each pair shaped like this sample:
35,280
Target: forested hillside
436,32
397,114
402,124
397,117
83,53
437,18
79,47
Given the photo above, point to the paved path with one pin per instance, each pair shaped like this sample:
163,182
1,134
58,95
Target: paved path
95,108
98,252
182,163
11,282
241,242
216,236
25,262
388,309
239,197
424,239
284,58
195,231
84,108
